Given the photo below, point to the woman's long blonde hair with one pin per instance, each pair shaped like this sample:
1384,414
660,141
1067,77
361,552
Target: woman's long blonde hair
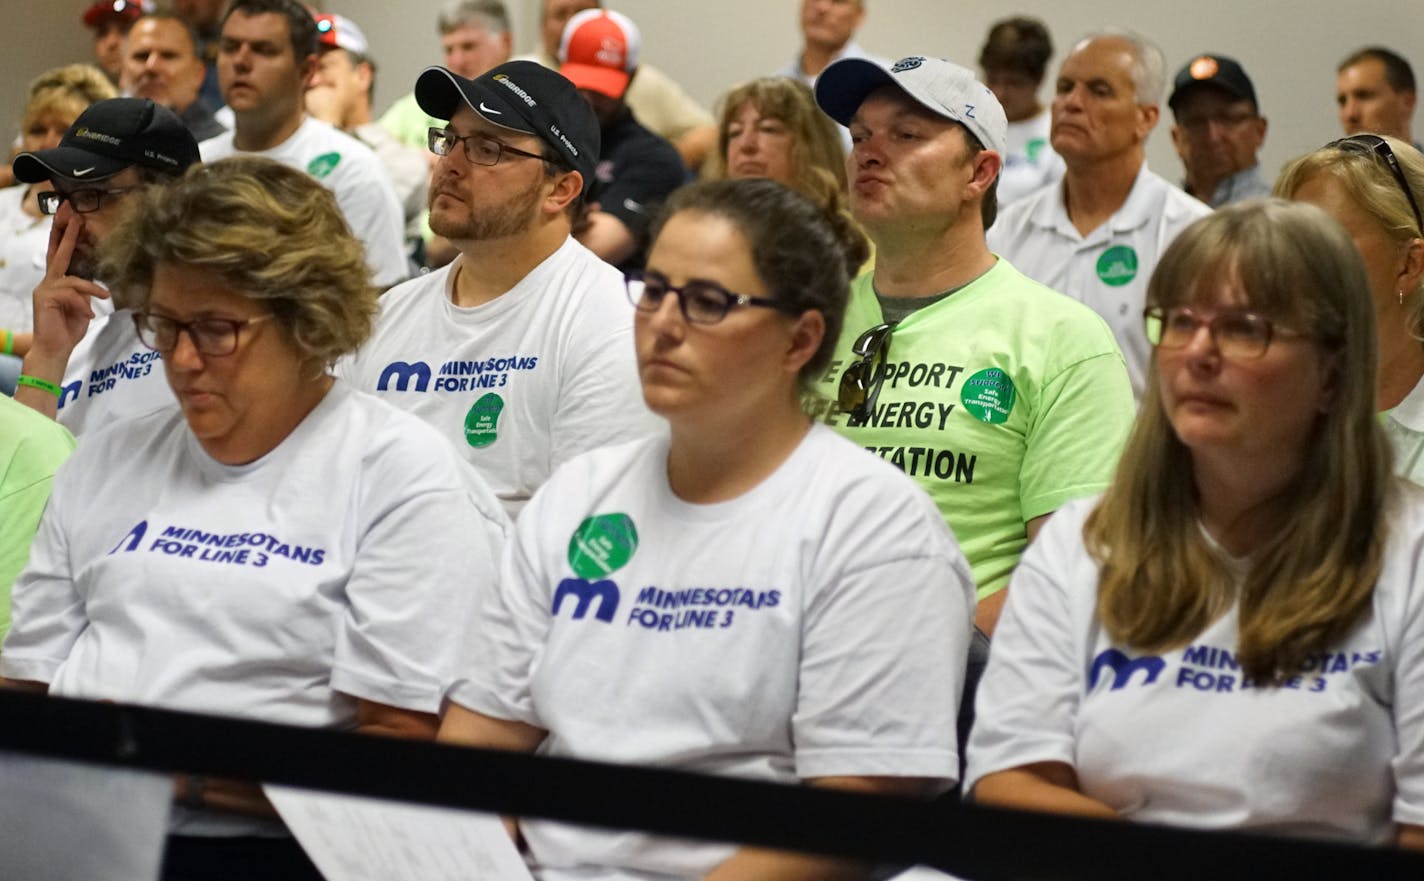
1160,583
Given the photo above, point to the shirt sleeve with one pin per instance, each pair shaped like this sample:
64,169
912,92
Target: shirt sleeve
368,201
882,667
430,547
1408,764
1085,413
509,627
1029,695
600,396
47,611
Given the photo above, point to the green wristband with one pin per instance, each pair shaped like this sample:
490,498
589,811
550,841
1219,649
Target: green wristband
43,385
9,348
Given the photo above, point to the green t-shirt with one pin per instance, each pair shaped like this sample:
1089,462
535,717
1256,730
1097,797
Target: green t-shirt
409,124
1003,400
31,449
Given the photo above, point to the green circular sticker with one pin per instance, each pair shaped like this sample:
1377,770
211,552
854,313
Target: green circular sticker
989,395
1118,265
1034,147
482,422
602,545
323,165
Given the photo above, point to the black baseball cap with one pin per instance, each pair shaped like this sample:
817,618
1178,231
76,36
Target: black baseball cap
1218,71
522,96
109,137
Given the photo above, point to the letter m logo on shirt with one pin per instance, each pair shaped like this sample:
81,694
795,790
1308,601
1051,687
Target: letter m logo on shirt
606,592
1123,667
402,372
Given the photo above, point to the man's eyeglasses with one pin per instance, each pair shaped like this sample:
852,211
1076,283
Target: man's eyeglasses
83,201
210,336
1237,335
701,302
1374,145
860,384
479,149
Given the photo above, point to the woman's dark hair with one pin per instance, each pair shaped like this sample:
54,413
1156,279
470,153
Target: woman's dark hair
798,249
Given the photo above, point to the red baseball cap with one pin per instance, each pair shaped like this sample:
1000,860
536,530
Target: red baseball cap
129,10
599,51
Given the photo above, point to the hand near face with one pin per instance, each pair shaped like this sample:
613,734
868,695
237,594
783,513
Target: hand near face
63,302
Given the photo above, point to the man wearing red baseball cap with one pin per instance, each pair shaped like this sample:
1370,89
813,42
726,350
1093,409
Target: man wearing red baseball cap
110,21
637,170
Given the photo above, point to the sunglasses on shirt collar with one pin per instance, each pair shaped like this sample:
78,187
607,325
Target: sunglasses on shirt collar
862,379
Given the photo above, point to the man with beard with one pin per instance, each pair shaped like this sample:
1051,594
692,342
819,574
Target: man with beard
86,365
520,351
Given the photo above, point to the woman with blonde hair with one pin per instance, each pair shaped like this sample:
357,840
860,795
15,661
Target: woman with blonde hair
56,98
772,128
1232,636
1374,186
275,547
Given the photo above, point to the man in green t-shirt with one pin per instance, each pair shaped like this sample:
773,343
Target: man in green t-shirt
1003,398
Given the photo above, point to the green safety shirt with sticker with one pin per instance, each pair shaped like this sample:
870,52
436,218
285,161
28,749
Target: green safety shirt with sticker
1004,400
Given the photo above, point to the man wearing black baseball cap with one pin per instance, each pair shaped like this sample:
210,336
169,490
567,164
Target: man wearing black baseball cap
520,350
86,365
1218,131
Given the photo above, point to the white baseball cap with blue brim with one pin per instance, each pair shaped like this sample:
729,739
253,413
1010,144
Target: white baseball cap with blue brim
941,87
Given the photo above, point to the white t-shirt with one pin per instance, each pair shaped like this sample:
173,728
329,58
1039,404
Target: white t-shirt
1182,739
521,383
1405,427
362,186
111,375
817,625
1108,268
1029,160
24,241
341,565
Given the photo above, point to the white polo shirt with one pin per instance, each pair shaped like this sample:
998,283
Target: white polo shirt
1108,268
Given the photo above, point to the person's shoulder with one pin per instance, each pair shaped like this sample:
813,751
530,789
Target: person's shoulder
120,442
29,440
593,474
416,289
1175,205
1040,304
578,274
860,481
1024,215
331,155
219,146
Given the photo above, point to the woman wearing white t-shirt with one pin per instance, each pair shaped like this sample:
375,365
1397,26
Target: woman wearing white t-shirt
1233,635
1374,186
276,547
749,595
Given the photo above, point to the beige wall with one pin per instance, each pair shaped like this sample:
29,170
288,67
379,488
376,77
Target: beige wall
1290,47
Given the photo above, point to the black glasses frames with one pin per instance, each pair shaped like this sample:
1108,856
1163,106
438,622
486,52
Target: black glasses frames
1376,145
862,379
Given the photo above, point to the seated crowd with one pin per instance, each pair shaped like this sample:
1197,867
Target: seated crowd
530,440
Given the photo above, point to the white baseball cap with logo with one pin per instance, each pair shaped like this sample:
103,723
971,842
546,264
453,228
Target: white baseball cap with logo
941,87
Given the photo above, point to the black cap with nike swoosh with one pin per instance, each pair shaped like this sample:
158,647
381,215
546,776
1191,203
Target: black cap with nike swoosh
522,96
110,136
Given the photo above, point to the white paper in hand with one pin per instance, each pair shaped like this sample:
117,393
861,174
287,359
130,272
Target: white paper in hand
352,838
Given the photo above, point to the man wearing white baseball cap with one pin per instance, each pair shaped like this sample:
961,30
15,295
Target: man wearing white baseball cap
520,351
1002,398
340,93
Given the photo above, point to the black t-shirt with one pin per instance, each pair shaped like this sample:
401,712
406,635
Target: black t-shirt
636,171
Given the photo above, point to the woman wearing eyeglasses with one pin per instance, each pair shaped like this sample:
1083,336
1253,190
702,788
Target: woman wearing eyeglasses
747,595
1374,186
278,547
1232,636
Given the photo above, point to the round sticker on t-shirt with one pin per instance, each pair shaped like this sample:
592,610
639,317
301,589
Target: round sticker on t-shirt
1118,265
602,545
989,395
323,165
482,422
1034,147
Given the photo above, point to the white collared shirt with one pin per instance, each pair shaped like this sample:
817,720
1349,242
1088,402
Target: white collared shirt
1108,268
